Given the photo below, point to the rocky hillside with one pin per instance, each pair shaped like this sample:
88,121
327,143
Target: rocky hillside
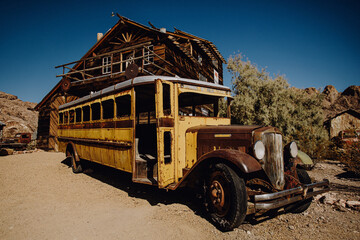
18,116
336,102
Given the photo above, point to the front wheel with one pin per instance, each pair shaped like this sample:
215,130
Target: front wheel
226,197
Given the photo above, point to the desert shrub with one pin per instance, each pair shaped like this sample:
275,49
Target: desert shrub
31,145
265,100
350,156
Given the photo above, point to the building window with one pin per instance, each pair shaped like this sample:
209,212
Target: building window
127,59
202,77
215,63
106,63
148,55
199,59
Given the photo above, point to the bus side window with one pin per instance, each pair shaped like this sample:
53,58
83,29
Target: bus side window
78,115
66,117
95,111
86,113
123,106
61,118
167,147
72,116
166,100
108,109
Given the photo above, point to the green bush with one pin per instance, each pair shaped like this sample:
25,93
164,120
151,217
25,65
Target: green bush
264,100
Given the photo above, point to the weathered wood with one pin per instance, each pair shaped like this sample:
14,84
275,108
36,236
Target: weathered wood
173,53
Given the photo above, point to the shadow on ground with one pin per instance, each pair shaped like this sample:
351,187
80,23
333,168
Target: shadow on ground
185,196
123,181
349,176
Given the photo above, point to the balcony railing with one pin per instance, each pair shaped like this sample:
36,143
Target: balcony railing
143,55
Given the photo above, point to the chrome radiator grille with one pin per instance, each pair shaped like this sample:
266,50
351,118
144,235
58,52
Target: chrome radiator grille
274,160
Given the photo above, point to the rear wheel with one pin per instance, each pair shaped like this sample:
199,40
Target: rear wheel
226,197
301,206
76,166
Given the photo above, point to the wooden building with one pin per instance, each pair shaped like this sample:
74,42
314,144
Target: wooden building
128,49
349,119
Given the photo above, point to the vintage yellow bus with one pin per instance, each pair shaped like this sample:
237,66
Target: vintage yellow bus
172,132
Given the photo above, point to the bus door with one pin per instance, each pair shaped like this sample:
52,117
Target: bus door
165,102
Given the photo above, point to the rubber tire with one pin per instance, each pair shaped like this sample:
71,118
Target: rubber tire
76,166
238,199
303,205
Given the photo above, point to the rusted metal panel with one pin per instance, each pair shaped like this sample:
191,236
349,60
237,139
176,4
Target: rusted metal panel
243,161
166,122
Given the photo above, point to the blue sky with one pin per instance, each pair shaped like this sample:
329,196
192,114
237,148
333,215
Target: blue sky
314,43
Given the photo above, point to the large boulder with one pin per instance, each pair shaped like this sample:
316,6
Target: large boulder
353,91
19,116
331,94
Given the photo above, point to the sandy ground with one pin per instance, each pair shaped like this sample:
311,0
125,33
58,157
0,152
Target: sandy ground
40,198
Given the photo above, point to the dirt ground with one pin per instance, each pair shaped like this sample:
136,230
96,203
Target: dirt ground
40,198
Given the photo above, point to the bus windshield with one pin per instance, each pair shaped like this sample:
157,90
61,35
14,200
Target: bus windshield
201,105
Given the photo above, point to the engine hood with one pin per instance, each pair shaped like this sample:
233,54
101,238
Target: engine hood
238,137
232,129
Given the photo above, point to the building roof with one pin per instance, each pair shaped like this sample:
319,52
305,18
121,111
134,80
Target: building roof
2,124
349,111
208,47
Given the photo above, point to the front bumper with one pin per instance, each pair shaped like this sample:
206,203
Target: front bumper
279,199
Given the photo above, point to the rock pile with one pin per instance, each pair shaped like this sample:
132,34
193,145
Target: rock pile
19,116
332,199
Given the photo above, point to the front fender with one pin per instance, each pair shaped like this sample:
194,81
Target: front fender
243,161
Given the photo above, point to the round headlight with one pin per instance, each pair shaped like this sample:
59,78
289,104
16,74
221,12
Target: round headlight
293,149
259,150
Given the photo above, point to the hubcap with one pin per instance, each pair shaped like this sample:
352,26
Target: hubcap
218,197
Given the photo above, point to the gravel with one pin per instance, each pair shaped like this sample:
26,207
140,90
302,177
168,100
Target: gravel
42,199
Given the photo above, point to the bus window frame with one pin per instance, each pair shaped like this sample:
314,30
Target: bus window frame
91,109
121,94
201,91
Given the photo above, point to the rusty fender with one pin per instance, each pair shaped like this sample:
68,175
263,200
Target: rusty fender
243,161
70,146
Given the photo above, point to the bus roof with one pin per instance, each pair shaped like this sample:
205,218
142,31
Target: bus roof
140,81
